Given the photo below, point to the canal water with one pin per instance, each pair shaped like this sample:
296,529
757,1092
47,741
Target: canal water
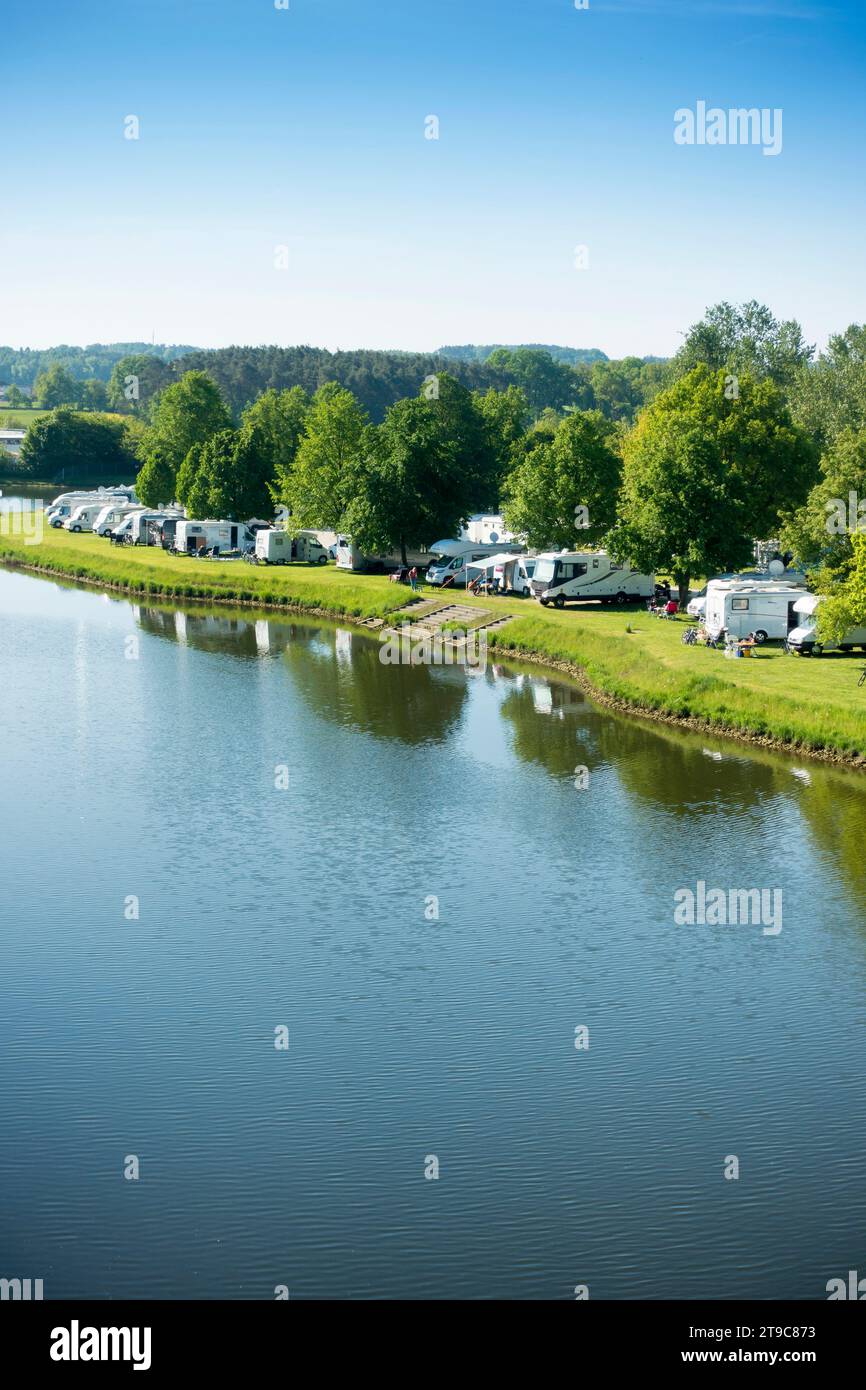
341,977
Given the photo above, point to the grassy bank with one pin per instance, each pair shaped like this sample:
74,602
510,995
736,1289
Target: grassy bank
812,705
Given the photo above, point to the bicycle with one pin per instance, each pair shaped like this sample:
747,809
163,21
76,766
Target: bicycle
862,680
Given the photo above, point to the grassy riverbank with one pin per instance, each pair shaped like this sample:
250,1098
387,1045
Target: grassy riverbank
813,705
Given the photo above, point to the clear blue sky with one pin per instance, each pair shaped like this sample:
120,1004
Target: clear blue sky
304,128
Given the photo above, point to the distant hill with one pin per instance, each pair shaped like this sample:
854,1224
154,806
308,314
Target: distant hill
21,366
473,352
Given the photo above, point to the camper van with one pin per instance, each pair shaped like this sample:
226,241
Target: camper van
349,557
83,517
196,537
145,527
448,559
587,574
738,607
803,639
63,506
279,548
111,517
510,574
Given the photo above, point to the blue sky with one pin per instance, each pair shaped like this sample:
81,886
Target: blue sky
305,129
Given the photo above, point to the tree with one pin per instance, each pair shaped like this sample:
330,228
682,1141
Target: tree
94,395
820,532
186,413
227,476
563,491
56,387
545,382
744,339
505,416
279,418
136,380
319,487
68,441
830,396
707,473
845,604
15,398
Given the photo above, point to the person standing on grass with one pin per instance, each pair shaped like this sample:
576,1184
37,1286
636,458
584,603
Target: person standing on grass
413,578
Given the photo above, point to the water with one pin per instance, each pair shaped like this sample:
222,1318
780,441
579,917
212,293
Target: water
310,908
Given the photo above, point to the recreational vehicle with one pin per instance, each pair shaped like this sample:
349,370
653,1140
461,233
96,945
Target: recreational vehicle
195,537
804,640
279,548
145,527
765,608
83,517
487,528
587,574
448,559
111,516
509,573
63,506
349,557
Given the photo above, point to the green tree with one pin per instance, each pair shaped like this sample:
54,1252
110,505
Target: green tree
845,604
136,380
563,492
505,416
319,487
706,473
820,532
94,395
56,387
830,396
744,339
66,441
15,398
228,476
544,381
186,413
279,417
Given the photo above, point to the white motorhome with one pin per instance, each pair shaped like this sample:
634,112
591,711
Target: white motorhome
510,573
58,511
587,574
804,640
487,528
195,537
739,607
349,557
144,525
112,515
83,517
274,547
448,559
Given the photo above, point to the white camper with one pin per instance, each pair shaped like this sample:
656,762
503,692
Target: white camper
448,559
58,511
196,537
349,557
83,517
487,528
804,640
508,573
738,607
111,516
274,547
587,574
144,526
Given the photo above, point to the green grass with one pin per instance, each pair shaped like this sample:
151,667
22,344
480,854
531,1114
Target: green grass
810,704
150,571
19,418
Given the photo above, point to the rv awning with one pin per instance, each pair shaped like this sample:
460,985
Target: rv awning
807,604
491,561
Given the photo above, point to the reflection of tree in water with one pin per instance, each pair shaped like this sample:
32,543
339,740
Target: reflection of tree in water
341,678
550,722
834,807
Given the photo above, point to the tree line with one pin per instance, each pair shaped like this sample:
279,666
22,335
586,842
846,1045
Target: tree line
744,435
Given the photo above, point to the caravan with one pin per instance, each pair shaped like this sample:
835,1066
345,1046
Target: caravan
349,557
111,517
804,640
587,574
274,547
199,537
765,608
448,560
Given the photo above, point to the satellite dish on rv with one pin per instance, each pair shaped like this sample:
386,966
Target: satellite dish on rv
776,567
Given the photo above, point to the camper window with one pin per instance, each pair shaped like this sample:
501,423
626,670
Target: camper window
740,605
544,571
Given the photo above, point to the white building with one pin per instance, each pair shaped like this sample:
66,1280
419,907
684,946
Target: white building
11,441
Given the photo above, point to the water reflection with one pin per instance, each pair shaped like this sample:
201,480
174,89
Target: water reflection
553,725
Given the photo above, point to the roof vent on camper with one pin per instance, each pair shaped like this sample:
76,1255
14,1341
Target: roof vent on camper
776,568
